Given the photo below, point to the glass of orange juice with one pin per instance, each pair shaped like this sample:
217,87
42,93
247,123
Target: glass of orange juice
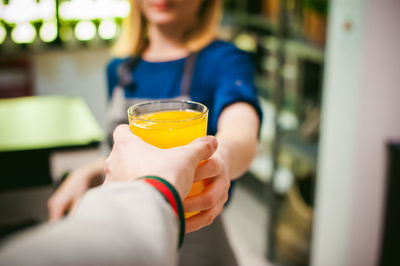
170,123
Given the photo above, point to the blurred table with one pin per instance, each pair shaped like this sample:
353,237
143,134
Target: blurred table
33,127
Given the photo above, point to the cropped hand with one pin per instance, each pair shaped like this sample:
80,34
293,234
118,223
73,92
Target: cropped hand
67,196
132,158
211,201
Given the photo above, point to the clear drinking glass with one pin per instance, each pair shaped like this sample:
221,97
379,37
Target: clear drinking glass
170,123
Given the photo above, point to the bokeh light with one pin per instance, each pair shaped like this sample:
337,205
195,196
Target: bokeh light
85,30
46,9
88,9
108,29
75,17
20,11
23,33
48,31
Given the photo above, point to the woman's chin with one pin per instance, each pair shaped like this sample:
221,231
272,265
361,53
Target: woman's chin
162,19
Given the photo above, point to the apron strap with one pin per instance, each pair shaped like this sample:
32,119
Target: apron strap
124,73
187,75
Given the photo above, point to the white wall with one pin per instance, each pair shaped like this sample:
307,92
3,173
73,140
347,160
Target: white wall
378,122
361,112
80,73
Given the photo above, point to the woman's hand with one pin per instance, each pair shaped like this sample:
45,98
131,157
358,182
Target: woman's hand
237,145
67,196
211,201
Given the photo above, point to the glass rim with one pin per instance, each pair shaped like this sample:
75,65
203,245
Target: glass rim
201,115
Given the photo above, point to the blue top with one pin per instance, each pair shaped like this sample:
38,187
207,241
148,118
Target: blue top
223,75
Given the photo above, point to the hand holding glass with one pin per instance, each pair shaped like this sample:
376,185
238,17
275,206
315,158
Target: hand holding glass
170,123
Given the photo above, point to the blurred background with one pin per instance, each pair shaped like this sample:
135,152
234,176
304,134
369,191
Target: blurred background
323,189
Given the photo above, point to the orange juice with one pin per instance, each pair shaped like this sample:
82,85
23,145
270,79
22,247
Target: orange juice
171,128
165,134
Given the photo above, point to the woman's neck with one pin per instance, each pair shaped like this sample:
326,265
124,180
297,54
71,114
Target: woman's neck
165,43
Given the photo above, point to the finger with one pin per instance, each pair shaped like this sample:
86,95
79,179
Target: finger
206,169
121,132
107,180
204,218
74,205
202,148
56,209
208,198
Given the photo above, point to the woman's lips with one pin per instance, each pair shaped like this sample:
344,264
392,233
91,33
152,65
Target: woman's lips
161,6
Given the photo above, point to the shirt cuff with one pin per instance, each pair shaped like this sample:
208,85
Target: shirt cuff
172,197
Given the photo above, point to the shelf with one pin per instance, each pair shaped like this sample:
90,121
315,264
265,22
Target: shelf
244,19
303,48
264,85
294,44
306,152
257,21
285,60
262,167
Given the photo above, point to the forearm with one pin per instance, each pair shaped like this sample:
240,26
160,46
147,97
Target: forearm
237,138
117,224
237,154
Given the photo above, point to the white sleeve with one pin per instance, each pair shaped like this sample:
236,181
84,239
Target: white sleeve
117,224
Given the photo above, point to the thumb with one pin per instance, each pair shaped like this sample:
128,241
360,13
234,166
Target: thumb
202,148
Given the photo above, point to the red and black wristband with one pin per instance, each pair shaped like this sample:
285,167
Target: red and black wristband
172,197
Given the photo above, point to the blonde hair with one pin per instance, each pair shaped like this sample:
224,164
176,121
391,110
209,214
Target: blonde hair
133,39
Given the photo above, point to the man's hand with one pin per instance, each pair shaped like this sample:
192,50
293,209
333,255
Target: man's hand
132,158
